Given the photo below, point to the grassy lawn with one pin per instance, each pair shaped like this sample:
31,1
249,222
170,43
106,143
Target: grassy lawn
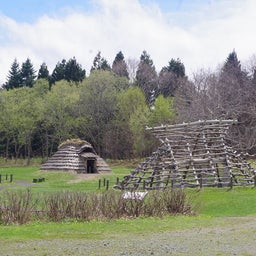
57,181
212,206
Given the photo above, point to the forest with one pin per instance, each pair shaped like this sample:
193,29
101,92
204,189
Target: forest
111,106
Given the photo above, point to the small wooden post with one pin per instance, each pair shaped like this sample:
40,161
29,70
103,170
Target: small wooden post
200,180
11,178
0,178
104,182
231,182
99,183
117,181
107,185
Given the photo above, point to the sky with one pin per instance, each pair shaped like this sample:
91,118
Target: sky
201,33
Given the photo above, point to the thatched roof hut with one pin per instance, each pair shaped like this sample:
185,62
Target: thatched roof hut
76,155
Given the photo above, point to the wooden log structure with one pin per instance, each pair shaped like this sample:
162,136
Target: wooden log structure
191,154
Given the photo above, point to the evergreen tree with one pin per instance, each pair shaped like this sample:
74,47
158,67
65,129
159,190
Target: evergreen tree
58,72
100,63
74,71
119,66
170,77
28,73
176,67
43,72
232,62
14,78
146,76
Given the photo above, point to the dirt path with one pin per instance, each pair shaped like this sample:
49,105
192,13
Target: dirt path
237,237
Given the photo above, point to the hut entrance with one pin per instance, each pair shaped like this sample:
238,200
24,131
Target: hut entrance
90,166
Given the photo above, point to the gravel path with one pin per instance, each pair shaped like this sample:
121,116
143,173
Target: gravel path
237,237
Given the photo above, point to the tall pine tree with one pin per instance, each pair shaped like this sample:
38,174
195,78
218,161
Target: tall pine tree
119,66
100,63
146,77
59,72
28,73
74,71
43,72
170,77
14,78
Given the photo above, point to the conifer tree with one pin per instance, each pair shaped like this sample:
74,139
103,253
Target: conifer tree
58,72
100,63
170,77
43,72
28,73
74,71
14,79
146,76
119,66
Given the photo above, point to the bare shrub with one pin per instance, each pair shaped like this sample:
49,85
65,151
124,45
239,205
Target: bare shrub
176,202
16,207
19,207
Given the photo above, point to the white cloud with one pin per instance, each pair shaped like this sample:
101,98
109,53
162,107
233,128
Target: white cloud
201,37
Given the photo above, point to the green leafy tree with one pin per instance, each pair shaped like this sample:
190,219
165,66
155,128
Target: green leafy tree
163,112
74,71
146,76
14,78
98,98
119,66
121,139
100,63
28,73
19,118
60,112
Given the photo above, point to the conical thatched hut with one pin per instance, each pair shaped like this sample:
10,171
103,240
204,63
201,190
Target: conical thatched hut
78,156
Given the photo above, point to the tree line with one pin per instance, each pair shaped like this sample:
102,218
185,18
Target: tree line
111,107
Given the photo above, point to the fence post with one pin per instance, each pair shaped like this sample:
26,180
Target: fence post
99,183
117,180
107,185
11,178
200,180
104,182
0,178
172,184
231,182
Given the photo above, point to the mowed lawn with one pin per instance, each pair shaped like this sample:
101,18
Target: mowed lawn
211,206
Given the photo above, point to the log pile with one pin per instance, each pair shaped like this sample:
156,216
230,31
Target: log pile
191,155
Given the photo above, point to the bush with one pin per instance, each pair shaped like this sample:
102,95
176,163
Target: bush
19,207
16,207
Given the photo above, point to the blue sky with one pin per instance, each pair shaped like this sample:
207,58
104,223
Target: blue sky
30,10
199,32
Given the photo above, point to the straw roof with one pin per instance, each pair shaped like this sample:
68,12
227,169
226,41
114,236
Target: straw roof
76,155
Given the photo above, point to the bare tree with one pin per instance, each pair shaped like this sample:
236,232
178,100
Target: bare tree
132,66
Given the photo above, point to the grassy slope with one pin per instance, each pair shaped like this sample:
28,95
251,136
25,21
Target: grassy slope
213,206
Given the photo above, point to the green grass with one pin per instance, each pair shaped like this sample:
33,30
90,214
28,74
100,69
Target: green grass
57,181
240,201
99,230
213,206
